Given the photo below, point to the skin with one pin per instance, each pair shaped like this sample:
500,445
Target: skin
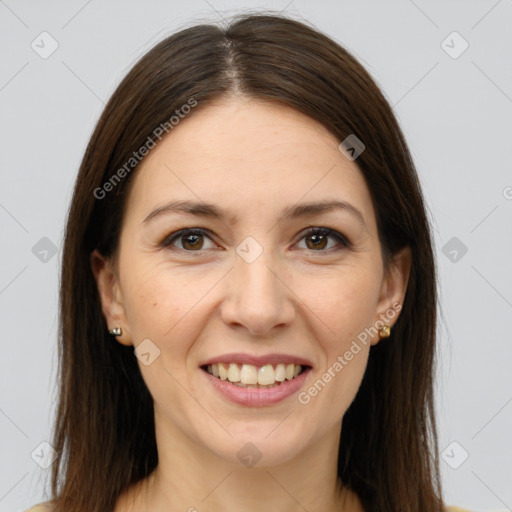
197,299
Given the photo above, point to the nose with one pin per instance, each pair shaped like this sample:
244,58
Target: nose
257,297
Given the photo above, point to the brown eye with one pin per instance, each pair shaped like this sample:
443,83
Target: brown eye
192,240
317,239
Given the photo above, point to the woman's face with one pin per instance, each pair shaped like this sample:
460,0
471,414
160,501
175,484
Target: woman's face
253,282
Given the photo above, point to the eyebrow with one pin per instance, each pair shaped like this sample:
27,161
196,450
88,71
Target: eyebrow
207,210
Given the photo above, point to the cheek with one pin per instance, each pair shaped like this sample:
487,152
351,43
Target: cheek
344,303
158,309
165,305
153,301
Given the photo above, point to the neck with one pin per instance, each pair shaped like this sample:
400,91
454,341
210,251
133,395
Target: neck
190,477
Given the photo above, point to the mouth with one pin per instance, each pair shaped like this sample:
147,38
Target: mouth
256,377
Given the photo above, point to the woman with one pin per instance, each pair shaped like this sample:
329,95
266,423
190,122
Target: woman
248,296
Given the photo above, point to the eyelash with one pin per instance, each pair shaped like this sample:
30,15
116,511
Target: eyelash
342,240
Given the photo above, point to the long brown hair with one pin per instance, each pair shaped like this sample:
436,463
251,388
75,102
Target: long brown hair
104,426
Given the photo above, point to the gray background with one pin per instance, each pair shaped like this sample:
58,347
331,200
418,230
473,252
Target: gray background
456,113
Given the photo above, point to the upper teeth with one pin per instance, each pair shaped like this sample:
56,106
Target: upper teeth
250,374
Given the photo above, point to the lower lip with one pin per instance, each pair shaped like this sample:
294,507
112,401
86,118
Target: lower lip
257,397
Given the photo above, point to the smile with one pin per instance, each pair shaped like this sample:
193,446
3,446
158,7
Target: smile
256,395
251,376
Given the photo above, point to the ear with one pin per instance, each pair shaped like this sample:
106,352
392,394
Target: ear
393,289
110,294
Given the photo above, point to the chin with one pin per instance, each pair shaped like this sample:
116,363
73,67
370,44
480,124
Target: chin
265,447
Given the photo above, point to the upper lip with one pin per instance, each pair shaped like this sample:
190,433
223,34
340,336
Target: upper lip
258,360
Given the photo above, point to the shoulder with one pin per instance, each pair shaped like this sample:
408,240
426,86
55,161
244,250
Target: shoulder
47,507
41,507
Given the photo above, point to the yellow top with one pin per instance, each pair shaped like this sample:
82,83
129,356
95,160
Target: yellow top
46,507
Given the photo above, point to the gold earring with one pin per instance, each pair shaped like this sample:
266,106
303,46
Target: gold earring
385,332
116,331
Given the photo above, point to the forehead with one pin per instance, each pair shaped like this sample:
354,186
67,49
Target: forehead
243,153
